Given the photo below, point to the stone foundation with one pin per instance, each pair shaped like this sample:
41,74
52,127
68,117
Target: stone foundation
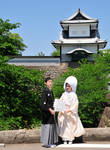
33,136
105,120
52,71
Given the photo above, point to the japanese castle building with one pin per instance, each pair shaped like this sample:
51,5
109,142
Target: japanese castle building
79,38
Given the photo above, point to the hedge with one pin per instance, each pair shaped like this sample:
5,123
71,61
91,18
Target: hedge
20,96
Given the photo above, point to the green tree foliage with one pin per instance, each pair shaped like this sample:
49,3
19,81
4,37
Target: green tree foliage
41,54
92,88
10,43
56,52
20,96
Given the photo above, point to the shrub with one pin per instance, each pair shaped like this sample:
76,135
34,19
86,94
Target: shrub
20,95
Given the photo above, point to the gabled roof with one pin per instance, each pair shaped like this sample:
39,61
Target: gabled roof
79,49
81,14
79,17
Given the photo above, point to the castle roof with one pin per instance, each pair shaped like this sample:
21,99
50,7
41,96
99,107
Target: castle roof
79,49
79,17
72,33
79,41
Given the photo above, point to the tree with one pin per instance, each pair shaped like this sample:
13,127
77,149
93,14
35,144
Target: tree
10,43
41,54
56,52
92,87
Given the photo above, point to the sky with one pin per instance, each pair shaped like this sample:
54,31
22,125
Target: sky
40,20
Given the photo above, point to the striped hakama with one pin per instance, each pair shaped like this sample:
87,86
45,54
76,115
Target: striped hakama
49,134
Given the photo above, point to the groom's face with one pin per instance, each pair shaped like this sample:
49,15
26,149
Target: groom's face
49,84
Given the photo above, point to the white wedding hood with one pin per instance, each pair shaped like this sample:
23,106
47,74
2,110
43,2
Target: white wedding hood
72,81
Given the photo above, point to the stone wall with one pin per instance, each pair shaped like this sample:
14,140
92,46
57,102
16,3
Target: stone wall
33,136
105,119
55,71
52,71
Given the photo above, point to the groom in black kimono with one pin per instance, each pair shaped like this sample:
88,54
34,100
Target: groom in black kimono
48,130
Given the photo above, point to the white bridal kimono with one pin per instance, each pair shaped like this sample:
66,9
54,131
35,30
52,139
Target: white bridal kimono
69,123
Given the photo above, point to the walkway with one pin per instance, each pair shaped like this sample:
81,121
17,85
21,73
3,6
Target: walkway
38,146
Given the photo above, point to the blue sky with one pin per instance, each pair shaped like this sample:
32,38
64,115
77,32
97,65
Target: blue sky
40,20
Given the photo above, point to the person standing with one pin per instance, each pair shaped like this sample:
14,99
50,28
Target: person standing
70,125
48,129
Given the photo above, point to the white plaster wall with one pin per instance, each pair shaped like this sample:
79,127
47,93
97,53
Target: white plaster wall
35,64
65,57
79,30
90,47
67,48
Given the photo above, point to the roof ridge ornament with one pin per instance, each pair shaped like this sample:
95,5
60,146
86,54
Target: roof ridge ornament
79,9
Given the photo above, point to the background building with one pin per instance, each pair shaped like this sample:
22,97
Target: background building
79,38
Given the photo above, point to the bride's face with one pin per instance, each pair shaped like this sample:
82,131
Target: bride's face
68,87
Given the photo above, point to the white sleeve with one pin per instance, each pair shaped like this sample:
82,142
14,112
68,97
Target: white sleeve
74,106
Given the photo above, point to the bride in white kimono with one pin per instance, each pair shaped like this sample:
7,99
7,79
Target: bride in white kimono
69,122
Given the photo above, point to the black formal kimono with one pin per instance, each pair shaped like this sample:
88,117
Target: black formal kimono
47,102
48,129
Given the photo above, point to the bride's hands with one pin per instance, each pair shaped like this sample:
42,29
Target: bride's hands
68,110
